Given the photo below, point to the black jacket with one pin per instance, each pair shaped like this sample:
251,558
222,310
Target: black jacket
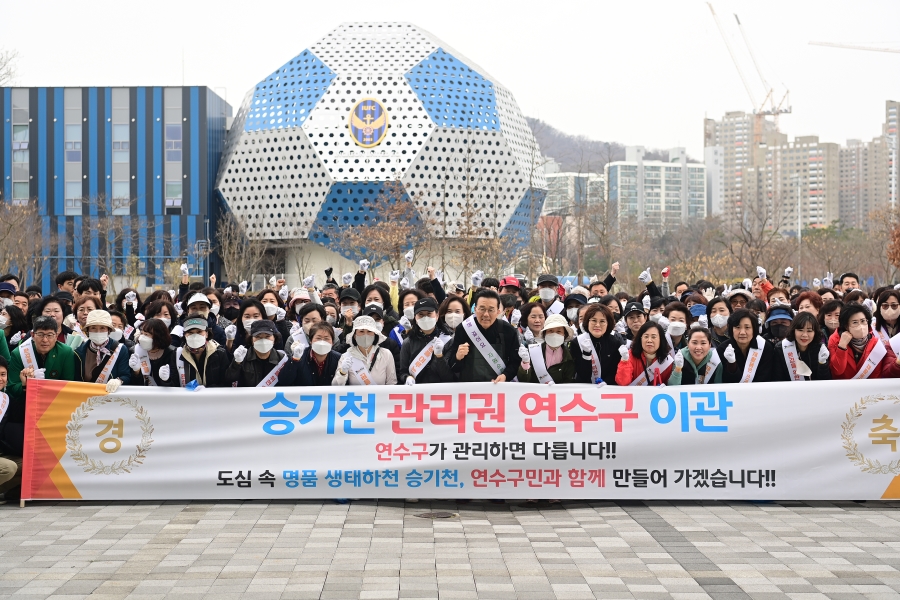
212,366
502,336
810,356
167,358
252,370
436,371
607,348
308,373
732,373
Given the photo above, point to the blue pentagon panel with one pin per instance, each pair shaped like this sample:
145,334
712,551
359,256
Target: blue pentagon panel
454,95
525,216
348,204
286,97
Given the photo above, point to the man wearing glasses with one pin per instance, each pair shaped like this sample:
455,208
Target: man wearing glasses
39,357
484,348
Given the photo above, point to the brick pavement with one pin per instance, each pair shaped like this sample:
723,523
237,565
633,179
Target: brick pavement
367,549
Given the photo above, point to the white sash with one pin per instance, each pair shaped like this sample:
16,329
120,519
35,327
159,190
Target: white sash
28,355
482,345
595,360
104,374
555,308
4,404
754,356
300,336
642,379
422,359
711,366
538,364
272,378
893,342
361,371
128,331
179,363
144,359
872,361
791,359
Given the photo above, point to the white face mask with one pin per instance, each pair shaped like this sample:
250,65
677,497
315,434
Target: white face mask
247,323
379,325
271,309
7,302
263,346
365,341
887,313
116,335
453,319
378,304
760,319
719,321
214,309
353,308
166,322
195,340
426,323
547,294
99,338
321,347
146,342
4,321
204,311
409,312
330,320
572,313
655,318
554,340
677,328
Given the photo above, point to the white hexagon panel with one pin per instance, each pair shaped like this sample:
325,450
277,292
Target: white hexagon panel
314,143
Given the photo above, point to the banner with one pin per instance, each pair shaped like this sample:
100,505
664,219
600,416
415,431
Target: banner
830,440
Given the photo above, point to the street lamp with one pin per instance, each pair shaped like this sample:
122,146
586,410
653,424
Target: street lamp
796,177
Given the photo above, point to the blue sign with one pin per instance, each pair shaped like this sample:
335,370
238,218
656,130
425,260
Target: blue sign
368,122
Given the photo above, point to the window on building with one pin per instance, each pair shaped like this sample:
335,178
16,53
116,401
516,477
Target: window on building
173,143
20,144
121,198
73,197
73,143
20,192
121,147
173,197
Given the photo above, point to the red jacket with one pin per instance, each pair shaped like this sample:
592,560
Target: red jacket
632,368
844,365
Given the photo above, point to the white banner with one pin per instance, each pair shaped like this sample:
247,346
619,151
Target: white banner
836,441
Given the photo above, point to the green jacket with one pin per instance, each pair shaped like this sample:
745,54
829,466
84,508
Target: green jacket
4,347
59,364
689,374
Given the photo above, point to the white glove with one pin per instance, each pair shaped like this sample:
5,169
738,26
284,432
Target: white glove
70,321
524,355
40,373
817,283
283,293
184,269
272,281
529,336
139,318
242,288
477,278
585,344
828,280
130,297
869,304
620,326
664,323
280,314
179,309
897,287
823,354
16,338
364,265
729,354
679,360
395,275
134,363
240,353
704,321
404,283
438,347
646,302
410,380
760,272
409,256
172,294
309,282
623,352
164,372
297,349
230,332
645,277
112,386
404,322
568,287
748,283
515,317
439,275
228,290
346,362
709,293
295,327
347,278
178,330
788,272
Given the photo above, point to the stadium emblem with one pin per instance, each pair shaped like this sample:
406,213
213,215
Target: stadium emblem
368,123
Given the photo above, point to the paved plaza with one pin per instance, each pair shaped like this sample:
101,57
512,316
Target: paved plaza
368,549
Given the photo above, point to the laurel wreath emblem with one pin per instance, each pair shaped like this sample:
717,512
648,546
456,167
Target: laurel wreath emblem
97,467
867,465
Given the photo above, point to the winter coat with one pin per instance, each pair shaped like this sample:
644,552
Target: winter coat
436,371
607,349
690,373
253,369
631,369
810,356
308,373
213,364
120,370
167,358
380,363
732,372
844,364
563,372
473,367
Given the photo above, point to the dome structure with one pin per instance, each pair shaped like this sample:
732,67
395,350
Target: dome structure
369,105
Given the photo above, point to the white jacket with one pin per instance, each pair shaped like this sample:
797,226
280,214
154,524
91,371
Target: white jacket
383,371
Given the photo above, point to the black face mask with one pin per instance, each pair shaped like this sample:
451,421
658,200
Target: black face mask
231,313
779,331
616,317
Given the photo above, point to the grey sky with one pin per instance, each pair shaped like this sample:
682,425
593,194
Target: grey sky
634,72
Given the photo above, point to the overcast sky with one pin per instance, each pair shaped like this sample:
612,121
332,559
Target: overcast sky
633,72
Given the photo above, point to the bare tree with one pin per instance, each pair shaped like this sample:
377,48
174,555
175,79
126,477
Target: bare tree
7,66
22,239
242,256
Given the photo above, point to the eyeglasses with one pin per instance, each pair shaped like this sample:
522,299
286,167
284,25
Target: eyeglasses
45,336
886,306
858,322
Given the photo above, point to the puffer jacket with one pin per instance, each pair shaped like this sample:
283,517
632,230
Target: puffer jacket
437,370
253,369
215,364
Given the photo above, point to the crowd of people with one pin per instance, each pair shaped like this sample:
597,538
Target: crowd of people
409,330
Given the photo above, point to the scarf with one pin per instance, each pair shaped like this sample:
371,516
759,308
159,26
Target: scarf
860,345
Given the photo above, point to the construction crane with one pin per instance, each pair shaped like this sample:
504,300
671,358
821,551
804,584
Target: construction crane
855,47
767,106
